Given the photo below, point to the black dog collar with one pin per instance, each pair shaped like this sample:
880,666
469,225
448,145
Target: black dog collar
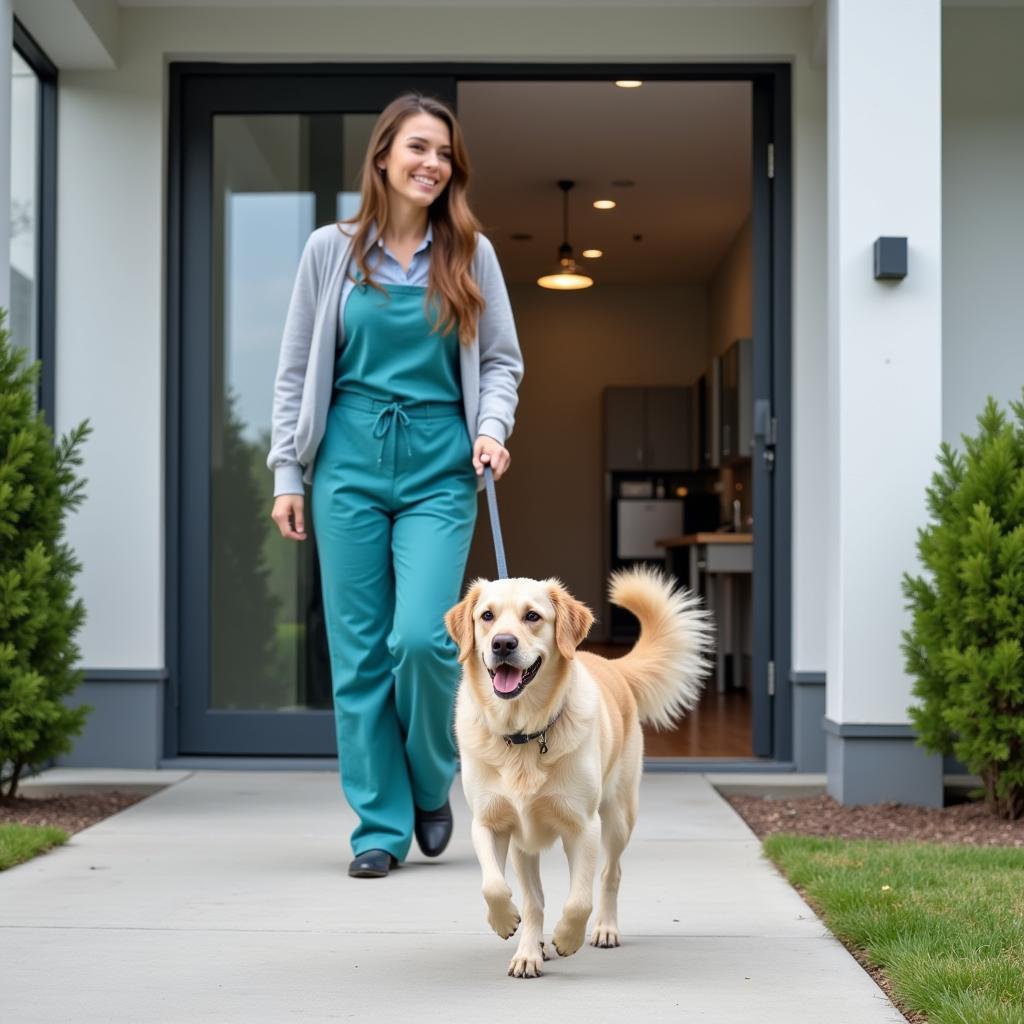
518,738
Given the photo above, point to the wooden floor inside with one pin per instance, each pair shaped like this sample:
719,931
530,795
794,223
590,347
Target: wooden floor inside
719,726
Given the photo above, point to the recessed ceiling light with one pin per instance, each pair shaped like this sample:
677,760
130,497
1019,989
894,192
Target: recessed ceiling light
628,83
593,254
604,204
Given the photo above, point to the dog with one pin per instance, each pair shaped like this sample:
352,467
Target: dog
550,740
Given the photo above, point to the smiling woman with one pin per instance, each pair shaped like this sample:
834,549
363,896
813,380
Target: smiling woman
399,314
421,152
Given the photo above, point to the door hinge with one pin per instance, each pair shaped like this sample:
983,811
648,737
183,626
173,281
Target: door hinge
771,678
771,159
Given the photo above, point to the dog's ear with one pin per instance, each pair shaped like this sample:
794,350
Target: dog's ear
573,619
459,621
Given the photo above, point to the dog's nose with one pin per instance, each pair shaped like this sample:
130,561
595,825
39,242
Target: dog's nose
504,643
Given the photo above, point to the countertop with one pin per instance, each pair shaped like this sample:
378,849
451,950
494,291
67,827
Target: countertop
705,538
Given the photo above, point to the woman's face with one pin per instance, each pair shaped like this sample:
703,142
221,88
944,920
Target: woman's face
419,163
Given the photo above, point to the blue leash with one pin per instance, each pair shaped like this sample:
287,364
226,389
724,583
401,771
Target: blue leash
492,508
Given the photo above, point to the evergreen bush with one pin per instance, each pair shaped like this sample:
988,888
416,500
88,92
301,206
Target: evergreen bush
39,614
964,644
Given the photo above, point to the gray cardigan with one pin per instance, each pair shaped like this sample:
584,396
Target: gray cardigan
491,366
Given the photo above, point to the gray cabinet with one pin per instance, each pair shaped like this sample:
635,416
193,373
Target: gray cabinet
624,428
669,428
648,428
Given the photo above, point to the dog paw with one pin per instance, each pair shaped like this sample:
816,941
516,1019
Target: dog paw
606,936
569,935
526,964
502,915
544,952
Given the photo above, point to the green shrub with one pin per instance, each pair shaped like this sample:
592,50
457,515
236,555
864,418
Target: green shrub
964,645
39,615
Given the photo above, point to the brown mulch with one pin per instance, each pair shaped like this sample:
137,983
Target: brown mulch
71,812
822,816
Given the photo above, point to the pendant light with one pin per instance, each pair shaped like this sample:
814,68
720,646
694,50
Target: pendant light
567,277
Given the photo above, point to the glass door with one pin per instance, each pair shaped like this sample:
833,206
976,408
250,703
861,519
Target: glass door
264,156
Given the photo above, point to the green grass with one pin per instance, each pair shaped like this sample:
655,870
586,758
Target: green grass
22,842
945,923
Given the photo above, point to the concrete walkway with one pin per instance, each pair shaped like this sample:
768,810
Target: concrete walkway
224,898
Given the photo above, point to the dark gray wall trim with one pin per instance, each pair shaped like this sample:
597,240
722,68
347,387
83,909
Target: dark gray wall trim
125,727
872,769
125,675
807,678
808,735
868,731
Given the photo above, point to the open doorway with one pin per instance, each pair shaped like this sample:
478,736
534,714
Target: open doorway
263,154
633,438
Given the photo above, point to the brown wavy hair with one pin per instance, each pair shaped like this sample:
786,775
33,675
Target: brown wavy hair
458,299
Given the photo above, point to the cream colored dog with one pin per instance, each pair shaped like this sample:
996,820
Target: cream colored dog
550,739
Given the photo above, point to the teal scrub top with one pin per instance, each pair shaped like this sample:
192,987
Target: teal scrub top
391,350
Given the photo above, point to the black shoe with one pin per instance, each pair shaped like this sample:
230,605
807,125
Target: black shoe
434,829
372,864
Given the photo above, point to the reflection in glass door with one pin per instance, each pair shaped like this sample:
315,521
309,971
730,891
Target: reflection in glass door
264,655
253,667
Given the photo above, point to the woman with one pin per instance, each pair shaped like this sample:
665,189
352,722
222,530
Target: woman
398,349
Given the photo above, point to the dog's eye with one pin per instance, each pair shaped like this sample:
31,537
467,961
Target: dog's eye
532,617
487,616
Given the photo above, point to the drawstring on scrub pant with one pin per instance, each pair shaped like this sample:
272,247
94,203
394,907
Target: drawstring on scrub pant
385,421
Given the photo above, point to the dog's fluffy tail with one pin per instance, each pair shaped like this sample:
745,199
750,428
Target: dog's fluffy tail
666,668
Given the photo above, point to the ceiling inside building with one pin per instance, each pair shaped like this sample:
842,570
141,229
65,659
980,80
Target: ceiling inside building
685,146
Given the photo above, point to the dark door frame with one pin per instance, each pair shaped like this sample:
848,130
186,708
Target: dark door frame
46,216
772,316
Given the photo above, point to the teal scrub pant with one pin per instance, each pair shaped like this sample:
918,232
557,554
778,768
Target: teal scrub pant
394,506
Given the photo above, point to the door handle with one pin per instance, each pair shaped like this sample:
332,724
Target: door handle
765,430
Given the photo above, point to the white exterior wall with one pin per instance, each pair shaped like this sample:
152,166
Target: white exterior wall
112,241
885,337
810,323
110,352
6,42
982,214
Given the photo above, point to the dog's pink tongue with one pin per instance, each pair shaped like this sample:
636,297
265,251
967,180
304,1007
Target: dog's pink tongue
507,678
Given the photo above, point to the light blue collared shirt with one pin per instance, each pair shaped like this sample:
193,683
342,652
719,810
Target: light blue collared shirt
385,268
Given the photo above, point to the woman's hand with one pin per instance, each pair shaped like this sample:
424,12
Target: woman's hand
288,514
487,451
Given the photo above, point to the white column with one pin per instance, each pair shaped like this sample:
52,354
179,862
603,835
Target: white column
6,43
885,362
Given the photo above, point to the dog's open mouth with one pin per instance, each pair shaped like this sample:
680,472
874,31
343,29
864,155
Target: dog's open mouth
509,681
